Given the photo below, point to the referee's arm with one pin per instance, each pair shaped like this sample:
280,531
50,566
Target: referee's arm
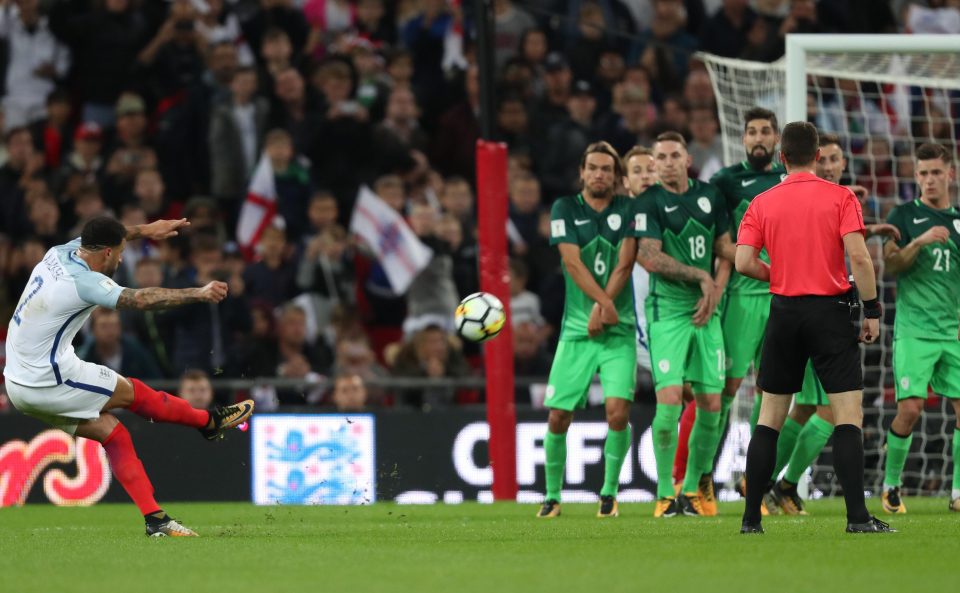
749,244
861,265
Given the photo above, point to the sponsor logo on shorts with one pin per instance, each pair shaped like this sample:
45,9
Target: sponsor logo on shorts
905,383
664,366
704,204
614,221
558,228
551,391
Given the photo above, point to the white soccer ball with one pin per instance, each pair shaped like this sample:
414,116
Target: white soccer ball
480,317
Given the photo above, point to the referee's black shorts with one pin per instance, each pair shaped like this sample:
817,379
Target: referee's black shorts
817,328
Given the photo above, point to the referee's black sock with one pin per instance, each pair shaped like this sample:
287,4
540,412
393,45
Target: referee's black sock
848,463
761,459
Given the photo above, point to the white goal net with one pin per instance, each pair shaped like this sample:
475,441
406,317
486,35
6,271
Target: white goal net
882,104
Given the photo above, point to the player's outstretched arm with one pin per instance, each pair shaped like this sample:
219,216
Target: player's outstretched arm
157,230
749,263
897,260
166,298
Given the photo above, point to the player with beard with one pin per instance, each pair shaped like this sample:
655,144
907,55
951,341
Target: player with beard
595,233
683,224
45,378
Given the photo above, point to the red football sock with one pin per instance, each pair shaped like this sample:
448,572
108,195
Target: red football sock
160,406
686,427
129,470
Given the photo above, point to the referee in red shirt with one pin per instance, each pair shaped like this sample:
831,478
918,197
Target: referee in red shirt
807,225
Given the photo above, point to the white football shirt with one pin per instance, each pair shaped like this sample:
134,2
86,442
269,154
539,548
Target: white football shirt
59,297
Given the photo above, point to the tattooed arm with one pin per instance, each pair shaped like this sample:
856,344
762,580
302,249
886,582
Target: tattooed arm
650,255
158,230
165,298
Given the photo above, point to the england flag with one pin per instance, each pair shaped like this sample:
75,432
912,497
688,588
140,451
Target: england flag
259,209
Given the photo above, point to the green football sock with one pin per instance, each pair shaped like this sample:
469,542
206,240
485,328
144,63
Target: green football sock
815,434
897,449
956,458
703,446
555,446
725,403
614,452
788,438
755,414
665,446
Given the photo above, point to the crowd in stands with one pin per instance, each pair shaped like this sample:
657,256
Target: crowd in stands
150,109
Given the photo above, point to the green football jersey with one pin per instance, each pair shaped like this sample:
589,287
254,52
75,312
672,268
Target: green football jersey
740,184
928,294
687,225
599,235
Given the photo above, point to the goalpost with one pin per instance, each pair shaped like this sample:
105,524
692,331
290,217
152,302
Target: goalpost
883,95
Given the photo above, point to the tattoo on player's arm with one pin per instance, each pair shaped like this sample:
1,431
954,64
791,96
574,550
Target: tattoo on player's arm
133,233
157,298
651,256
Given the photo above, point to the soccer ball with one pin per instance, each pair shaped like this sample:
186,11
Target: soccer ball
480,317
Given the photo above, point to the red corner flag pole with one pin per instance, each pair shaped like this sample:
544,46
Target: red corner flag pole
495,278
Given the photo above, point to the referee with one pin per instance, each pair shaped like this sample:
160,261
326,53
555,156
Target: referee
806,224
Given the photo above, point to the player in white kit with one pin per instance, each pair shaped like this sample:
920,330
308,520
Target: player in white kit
639,175
46,379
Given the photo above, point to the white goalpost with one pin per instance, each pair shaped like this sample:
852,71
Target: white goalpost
883,95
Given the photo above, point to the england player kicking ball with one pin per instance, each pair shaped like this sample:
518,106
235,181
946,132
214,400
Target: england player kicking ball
810,422
595,233
681,224
926,333
46,379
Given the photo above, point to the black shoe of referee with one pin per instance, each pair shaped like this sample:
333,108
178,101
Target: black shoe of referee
874,525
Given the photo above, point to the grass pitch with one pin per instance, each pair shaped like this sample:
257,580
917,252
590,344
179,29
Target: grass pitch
484,548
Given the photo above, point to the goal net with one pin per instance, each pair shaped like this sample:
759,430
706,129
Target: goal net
882,104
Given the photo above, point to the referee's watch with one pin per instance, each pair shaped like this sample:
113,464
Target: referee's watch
872,309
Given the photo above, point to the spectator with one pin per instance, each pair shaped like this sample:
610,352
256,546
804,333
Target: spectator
172,59
585,47
272,279
423,36
432,296
85,164
203,332
524,305
219,24
36,61
322,214
354,356
280,14
291,182
400,68
372,88
276,55
328,19
144,326
525,205
629,124
51,134
23,163
532,49
292,356
104,39
666,46
454,144
374,23
109,347
88,204
457,199
349,393
196,389
462,251
610,72
399,134
295,109
557,78
130,150
675,115
513,124
510,23
706,145
237,128
149,192
44,214
726,32
326,274
565,142
430,353
24,257
698,90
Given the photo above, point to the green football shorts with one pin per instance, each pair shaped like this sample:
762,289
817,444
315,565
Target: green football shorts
812,393
577,361
744,321
681,352
918,363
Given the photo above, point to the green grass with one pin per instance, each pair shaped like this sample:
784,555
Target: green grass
485,548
